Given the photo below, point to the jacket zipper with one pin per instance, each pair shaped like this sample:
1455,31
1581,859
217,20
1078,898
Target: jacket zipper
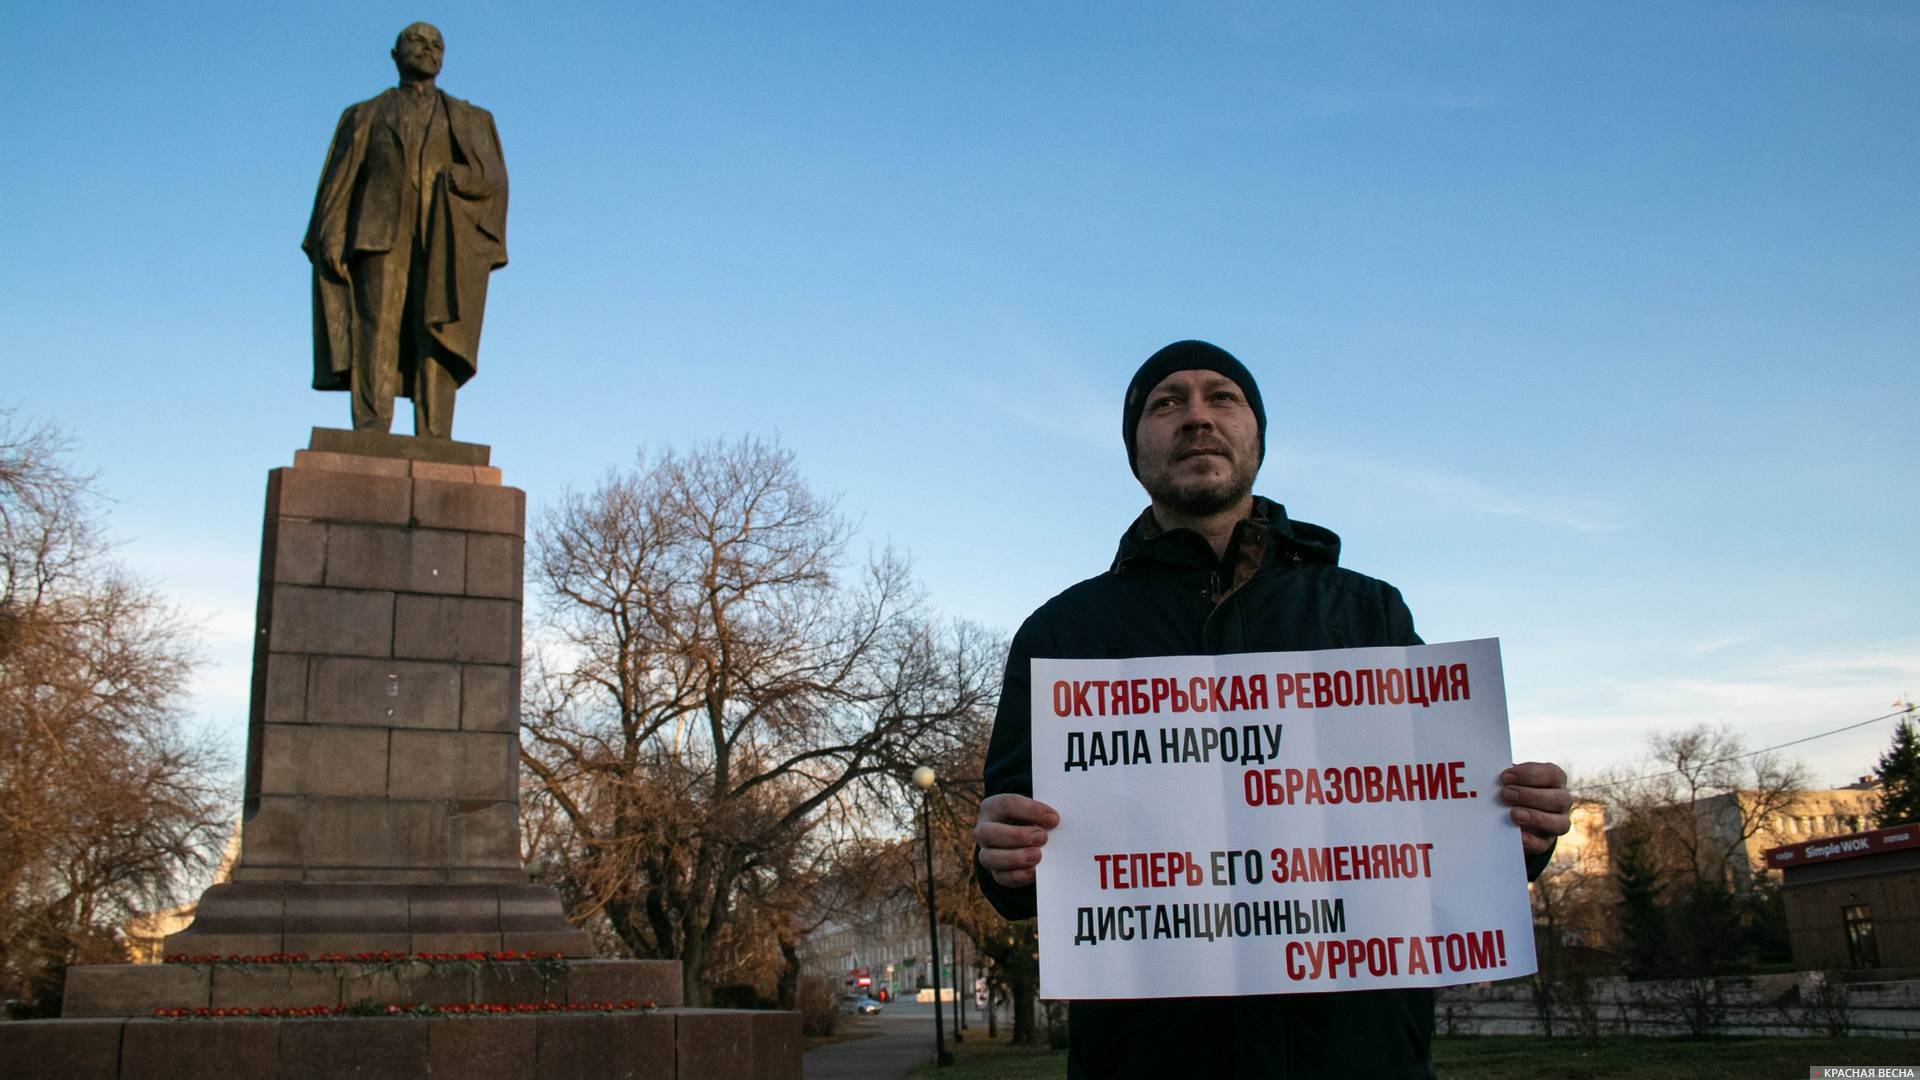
1213,586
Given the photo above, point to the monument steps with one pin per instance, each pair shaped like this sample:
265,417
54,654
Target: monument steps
664,1044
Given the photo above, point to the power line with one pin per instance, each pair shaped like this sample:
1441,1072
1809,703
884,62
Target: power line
1908,711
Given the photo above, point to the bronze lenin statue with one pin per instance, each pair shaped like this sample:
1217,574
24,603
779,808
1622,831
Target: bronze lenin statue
409,221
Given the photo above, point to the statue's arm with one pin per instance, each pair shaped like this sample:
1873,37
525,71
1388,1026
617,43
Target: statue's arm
483,175
326,240
479,178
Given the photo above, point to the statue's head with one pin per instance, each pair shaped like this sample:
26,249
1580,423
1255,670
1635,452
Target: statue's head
418,51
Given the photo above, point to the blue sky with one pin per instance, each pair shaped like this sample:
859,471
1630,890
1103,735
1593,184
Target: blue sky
1592,329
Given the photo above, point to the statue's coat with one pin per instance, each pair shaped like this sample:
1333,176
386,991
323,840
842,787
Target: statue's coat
465,239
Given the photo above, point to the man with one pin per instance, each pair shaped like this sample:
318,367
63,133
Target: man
410,218
1209,569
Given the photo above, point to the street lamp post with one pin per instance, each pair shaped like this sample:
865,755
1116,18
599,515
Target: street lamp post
962,981
924,777
959,1018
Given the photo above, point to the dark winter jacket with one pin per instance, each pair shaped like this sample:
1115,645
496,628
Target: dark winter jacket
1279,589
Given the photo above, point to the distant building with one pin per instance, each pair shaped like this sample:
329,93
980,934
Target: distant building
1853,900
1573,897
889,944
1818,813
1813,813
145,934
1584,848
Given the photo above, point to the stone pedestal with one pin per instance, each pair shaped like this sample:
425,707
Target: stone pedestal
382,802
663,1044
109,1029
382,815
106,990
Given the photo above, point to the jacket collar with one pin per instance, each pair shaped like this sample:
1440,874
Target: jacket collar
1267,531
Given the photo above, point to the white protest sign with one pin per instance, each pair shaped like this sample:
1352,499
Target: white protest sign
1270,823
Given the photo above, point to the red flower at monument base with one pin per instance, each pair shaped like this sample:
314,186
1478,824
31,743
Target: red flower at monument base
385,956
461,1008
237,958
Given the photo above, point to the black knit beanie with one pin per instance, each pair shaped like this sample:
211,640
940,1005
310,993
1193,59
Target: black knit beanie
1186,356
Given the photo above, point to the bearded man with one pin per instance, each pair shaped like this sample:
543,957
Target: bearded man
1208,568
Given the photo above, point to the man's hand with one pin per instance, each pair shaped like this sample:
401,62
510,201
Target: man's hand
1010,832
467,181
1537,791
335,258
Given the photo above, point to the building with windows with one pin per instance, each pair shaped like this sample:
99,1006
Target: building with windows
1726,822
1812,814
889,945
1853,900
1574,898
1584,848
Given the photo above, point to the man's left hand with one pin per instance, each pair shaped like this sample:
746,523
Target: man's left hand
1537,791
470,182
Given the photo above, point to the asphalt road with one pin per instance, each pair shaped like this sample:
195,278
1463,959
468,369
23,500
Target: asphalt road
903,1038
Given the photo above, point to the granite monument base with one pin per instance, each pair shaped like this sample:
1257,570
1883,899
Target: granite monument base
381,815
381,808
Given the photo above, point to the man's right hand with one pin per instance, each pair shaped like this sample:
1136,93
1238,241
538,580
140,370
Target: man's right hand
1011,831
336,260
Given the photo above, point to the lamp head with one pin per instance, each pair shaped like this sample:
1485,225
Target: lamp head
923,776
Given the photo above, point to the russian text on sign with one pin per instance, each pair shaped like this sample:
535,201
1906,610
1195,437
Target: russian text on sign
1360,844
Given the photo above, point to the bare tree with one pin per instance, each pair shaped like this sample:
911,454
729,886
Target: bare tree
46,528
1692,808
718,675
104,803
1702,797
825,880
